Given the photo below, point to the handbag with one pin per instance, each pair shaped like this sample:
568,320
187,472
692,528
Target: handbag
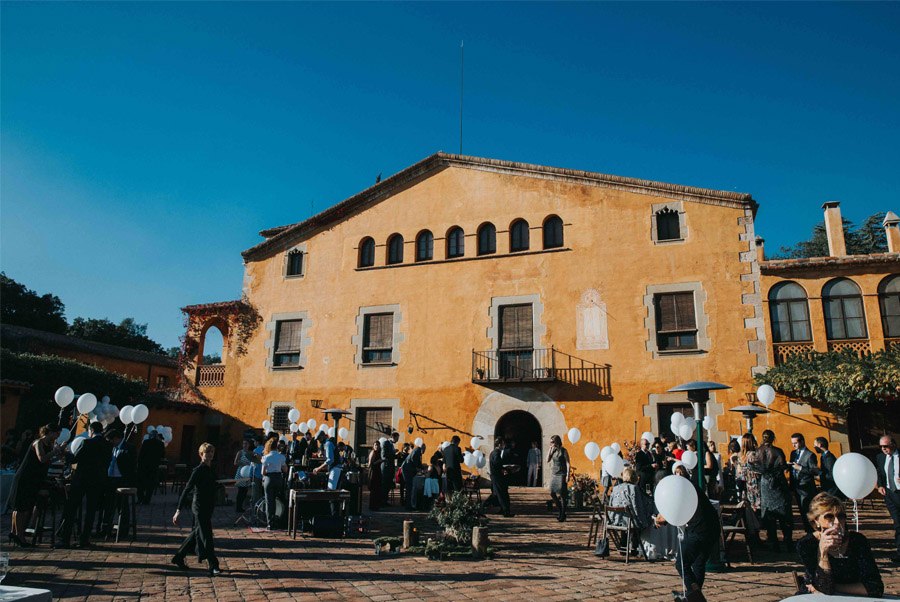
602,549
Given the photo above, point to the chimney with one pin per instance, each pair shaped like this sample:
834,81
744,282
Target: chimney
834,229
760,249
891,225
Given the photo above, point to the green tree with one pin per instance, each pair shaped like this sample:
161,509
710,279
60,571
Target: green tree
24,307
862,240
126,333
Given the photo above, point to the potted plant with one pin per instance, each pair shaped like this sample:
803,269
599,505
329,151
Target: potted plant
584,491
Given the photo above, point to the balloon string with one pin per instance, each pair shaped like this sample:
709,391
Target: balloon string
681,555
856,515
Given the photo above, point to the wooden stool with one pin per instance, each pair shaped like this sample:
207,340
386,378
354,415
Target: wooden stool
39,516
127,506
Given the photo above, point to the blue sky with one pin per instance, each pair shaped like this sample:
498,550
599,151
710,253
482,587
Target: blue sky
144,145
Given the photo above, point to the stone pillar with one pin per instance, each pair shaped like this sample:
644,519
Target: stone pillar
479,541
891,225
410,534
760,249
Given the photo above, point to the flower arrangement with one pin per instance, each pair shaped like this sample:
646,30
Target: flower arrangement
586,487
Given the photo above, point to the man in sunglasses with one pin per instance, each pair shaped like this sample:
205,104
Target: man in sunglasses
888,468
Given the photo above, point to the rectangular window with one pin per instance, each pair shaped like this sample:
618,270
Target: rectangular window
287,343
664,414
162,381
516,351
280,421
676,323
378,338
371,425
295,263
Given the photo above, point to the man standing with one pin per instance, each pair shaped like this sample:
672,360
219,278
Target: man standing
499,479
826,467
389,466
453,465
888,469
803,472
88,481
534,465
149,458
644,463
411,466
297,448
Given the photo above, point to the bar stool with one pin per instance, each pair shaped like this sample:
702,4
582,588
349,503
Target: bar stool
127,506
39,517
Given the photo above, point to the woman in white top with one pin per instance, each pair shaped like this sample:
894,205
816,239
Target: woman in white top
274,467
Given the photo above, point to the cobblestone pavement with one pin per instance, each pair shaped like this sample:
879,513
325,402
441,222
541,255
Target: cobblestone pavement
537,559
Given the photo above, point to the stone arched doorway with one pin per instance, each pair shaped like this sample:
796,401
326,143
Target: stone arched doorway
519,428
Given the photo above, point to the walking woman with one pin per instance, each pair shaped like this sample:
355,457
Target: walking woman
28,481
558,459
274,467
202,487
375,462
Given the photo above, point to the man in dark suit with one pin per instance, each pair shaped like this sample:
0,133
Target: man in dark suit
644,462
803,476
887,465
499,478
826,468
88,482
411,467
389,465
152,452
453,465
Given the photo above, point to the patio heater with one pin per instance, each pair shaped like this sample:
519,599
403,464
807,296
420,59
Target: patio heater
698,394
751,411
336,415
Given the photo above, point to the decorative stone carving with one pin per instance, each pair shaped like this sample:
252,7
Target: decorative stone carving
591,326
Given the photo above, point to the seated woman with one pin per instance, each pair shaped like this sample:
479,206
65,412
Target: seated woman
656,543
837,561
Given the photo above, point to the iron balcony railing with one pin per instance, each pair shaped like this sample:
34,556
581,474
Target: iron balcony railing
538,365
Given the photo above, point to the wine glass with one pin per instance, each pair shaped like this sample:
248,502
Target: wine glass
840,532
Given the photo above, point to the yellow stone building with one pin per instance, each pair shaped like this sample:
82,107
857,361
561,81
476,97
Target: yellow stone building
486,297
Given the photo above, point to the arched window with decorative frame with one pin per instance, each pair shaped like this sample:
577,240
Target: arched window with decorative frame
553,232
366,253
889,302
487,239
518,236
425,246
789,313
395,249
456,242
843,306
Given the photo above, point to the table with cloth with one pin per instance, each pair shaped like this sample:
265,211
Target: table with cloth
426,488
662,542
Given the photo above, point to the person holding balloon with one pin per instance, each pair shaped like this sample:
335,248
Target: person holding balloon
88,482
29,479
150,456
243,479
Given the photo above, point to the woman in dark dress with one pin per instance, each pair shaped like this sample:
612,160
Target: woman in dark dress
837,561
202,487
28,481
375,461
775,495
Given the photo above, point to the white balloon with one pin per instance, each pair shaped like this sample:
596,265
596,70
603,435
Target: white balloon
245,471
64,396
676,465
616,447
151,429
114,411
86,403
476,442
139,413
64,435
105,399
125,414
685,431
765,394
574,435
444,444
266,425
468,459
478,455
707,422
855,475
294,428
689,459
613,465
303,427
418,442
648,436
330,431
605,452
481,461
323,427
167,438
676,500
382,440
343,433
677,419
167,429
76,445
311,423
691,422
592,451
283,439
294,415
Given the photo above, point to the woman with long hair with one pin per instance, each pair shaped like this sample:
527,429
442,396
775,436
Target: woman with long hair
28,481
375,462
244,457
274,467
558,459
201,487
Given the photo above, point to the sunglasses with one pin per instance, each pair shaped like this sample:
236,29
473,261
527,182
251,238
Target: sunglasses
832,517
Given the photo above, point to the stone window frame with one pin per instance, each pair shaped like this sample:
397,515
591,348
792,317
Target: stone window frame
392,403
676,206
398,337
302,249
539,329
305,339
702,317
271,412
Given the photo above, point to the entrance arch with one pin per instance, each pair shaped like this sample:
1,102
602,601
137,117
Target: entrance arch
519,428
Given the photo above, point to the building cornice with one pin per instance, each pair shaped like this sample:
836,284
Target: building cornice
783,266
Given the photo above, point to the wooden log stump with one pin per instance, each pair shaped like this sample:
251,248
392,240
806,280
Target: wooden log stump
410,534
479,542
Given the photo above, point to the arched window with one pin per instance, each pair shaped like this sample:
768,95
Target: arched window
668,226
294,263
395,249
518,236
487,239
456,242
789,312
366,252
425,246
889,300
844,317
553,232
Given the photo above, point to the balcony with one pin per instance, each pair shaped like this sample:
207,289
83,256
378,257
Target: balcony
859,347
212,375
539,365
783,351
892,344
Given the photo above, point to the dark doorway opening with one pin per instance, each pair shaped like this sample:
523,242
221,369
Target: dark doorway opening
519,429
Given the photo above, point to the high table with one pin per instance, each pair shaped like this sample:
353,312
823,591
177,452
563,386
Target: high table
298,497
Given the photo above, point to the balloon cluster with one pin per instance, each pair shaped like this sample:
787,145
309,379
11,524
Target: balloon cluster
686,426
613,465
105,412
475,459
165,431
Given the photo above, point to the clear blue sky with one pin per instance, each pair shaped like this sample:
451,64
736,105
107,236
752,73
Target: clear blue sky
145,145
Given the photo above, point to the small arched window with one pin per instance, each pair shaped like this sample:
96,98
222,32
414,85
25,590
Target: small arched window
487,239
789,312
456,242
425,246
518,236
889,300
395,249
668,226
844,317
294,262
366,253
553,232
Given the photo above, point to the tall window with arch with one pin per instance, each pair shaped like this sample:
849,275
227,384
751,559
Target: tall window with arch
487,239
789,312
213,347
456,242
668,226
366,252
553,232
425,246
889,302
395,249
518,236
843,305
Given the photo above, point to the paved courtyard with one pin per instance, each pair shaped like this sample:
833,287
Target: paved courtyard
537,559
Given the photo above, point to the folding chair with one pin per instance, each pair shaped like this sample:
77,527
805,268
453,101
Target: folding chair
596,524
734,523
629,530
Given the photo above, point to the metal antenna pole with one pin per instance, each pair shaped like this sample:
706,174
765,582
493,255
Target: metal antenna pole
461,65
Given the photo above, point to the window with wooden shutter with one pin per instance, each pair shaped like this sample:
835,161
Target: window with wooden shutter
516,352
676,322
371,425
378,338
287,343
